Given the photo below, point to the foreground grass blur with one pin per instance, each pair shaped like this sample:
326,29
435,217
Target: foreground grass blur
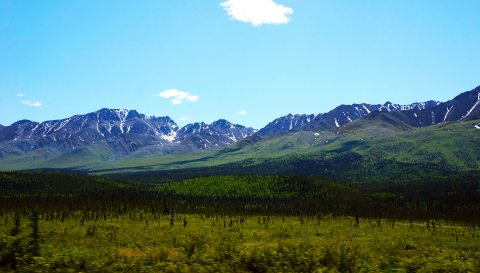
148,242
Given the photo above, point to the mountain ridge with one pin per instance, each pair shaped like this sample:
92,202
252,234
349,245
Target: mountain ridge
109,135
124,131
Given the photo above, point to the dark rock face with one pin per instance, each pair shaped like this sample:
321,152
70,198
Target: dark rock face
465,106
285,124
344,114
129,130
219,134
191,129
98,125
388,106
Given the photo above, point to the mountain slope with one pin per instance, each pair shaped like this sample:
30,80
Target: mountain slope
345,114
126,140
383,141
285,124
440,149
465,106
86,129
219,134
117,133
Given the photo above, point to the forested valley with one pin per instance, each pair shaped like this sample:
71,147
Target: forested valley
258,223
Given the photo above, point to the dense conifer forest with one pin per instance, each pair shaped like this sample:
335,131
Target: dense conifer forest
259,223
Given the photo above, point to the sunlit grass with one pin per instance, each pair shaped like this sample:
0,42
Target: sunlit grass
252,243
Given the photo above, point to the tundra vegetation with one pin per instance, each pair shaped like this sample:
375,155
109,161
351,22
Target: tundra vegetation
238,223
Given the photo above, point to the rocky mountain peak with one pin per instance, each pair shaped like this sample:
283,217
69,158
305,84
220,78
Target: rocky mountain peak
122,130
133,114
221,123
225,124
285,123
21,122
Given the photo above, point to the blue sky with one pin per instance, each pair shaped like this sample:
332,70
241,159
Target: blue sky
245,61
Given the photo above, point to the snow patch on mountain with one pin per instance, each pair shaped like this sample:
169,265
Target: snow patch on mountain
170,137
366,108
62,124
475,105
448,111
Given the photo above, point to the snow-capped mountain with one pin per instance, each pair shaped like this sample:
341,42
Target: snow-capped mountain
124,129
111,134
285,123
98,125
388,106
220,133
337,117
463,107
344,114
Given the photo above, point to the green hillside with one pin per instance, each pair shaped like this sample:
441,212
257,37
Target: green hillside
381,146
370,151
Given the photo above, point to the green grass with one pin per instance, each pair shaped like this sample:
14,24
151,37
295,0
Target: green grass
248,244
46,157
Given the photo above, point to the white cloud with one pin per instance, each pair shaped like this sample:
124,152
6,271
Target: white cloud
184,118
257,12
31,103
177,95
173,93
20,94
242,112
192,98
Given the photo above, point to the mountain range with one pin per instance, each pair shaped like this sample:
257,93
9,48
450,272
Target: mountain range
110,138
124,131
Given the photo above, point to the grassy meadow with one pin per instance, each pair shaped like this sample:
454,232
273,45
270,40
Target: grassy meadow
260,243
